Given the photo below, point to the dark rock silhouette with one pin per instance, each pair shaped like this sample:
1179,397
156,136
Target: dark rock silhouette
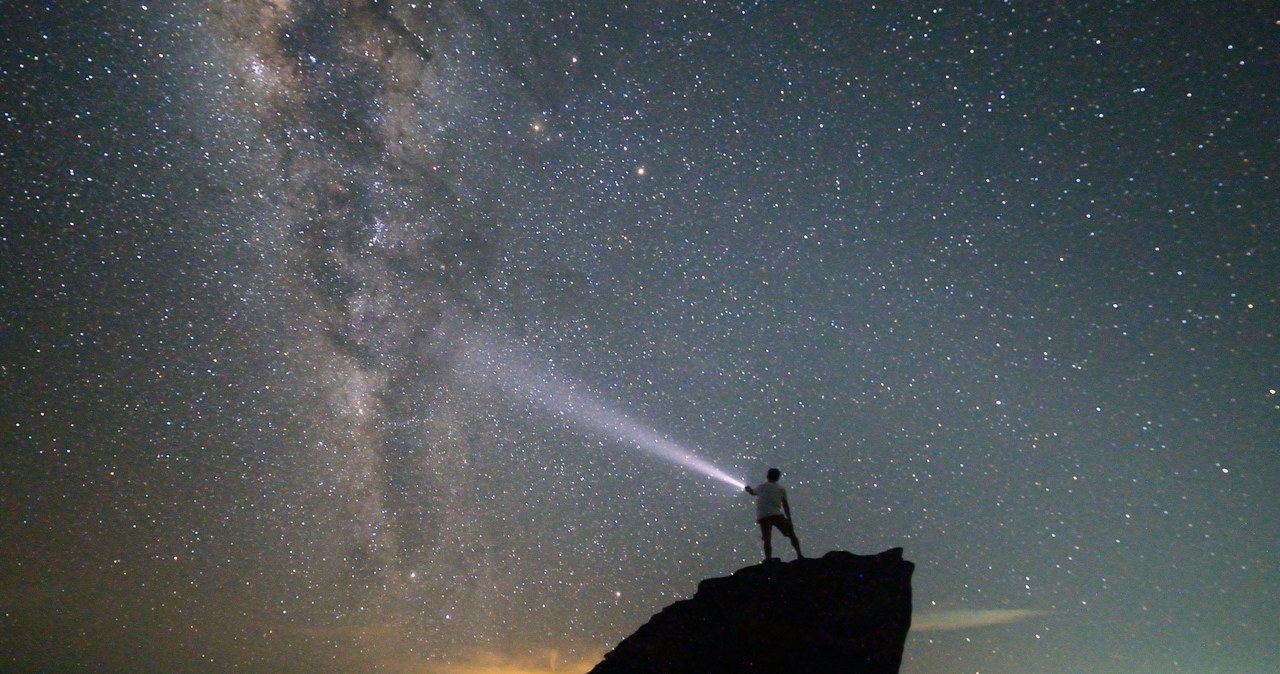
839,613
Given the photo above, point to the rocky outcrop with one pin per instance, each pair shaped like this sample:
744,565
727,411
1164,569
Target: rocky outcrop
839,613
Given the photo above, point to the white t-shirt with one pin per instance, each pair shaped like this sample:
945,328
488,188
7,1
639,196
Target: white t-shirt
769,497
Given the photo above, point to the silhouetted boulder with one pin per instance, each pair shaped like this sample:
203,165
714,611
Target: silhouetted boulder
839,613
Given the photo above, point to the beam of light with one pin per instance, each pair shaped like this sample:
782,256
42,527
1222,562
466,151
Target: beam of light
485,362
940,621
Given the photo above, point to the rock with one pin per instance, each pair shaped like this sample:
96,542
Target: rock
840,613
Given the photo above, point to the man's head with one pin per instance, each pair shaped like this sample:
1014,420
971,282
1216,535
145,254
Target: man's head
773,474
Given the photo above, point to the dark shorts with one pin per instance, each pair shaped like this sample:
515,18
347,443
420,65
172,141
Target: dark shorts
780,521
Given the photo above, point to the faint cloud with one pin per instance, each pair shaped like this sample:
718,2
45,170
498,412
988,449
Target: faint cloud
939,621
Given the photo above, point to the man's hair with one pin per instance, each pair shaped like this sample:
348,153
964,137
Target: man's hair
774,474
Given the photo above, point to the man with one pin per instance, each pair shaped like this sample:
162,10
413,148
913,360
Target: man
773,510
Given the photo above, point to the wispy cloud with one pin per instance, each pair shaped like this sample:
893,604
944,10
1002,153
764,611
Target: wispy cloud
938,621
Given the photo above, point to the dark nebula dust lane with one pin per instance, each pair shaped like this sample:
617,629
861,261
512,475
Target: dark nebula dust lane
437,337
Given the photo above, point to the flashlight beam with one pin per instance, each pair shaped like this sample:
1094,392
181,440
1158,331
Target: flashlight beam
561,398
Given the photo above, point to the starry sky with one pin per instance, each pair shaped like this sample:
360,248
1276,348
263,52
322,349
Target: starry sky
319,317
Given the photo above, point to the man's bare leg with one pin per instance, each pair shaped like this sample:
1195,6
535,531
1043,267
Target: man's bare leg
795,543
790,532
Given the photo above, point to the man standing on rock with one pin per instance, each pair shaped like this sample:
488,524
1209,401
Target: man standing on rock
773,510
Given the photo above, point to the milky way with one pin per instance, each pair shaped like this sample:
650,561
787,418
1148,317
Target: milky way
413,336
375,144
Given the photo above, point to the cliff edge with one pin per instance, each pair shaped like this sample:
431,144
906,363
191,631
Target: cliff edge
839,613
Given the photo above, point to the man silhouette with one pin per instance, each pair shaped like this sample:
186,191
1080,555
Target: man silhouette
773,510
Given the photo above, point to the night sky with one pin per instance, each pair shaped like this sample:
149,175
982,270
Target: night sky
328,328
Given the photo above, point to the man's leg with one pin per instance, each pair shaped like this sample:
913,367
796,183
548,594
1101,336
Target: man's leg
790,532
766,533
